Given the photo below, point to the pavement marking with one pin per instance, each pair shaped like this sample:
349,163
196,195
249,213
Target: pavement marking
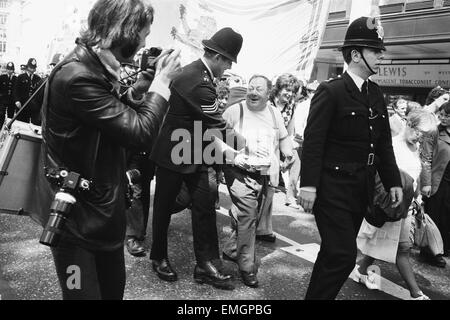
309,253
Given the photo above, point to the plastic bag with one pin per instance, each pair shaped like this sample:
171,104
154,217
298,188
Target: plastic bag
426,233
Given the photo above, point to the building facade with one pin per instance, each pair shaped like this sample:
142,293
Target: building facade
417,39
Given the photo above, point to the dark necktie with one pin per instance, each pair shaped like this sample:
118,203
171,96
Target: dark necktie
364,89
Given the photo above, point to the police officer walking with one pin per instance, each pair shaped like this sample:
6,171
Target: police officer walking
27,83
7,83
347,138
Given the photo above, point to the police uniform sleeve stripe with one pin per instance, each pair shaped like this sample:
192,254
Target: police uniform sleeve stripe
210,108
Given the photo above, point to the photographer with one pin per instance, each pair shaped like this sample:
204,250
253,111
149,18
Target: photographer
87,128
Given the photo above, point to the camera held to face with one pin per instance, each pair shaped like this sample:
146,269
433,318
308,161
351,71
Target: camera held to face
149,56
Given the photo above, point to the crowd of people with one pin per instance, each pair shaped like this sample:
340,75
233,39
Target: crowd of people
322,144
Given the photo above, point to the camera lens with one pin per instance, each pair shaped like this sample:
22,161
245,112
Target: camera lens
59,211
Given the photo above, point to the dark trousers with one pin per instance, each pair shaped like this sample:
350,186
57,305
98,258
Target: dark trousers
100,274
137,215
337,256
2,114
202,192
438,207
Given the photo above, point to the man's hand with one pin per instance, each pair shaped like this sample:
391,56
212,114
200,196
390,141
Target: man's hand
168,65
143,83
426,191
307,199
18,105
442,99
396,196
240,160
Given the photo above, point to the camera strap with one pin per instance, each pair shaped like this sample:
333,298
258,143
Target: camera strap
44,111
8,126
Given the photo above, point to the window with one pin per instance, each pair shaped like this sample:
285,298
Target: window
2,46
339,5
3,3
3,18
386,2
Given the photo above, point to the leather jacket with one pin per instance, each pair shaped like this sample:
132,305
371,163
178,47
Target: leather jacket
88,127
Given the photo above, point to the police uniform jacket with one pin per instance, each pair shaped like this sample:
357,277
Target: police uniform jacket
7,85
25,87
193,105
347,137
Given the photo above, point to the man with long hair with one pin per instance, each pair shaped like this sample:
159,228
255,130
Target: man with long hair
87,128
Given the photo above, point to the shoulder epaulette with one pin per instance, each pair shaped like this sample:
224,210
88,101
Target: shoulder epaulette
334,79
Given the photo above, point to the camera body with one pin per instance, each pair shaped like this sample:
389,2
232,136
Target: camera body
148,55
70,183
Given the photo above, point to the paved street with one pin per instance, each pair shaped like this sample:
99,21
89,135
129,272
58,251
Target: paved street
27,271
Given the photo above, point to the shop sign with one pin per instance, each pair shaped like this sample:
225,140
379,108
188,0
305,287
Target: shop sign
422,76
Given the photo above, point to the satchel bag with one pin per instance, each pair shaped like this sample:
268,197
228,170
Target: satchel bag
381,211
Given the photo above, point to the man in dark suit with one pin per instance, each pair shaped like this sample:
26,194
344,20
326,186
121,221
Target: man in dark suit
27,84
7,83
347,138
193,103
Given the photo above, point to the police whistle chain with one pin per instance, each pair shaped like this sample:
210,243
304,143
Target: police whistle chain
8,126
70,183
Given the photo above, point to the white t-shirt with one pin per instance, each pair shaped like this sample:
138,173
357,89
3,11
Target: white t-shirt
301,116
258,129
407,160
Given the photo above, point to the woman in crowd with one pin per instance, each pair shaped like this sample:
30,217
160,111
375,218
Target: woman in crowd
406,152
284,99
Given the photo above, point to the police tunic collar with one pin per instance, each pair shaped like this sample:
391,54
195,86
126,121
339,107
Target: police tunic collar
356,79
207,67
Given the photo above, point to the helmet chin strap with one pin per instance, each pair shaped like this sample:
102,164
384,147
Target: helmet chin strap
367,65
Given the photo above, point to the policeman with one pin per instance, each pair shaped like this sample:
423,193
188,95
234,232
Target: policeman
27,84
193,102
347,138
7,83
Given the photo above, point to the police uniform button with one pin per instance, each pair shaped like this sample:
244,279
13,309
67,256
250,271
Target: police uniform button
353,113
371,128
337,168
371,145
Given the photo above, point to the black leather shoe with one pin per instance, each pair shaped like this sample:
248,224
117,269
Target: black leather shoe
434,260
208,273
135,247
229,258
249,279
266,237
164,270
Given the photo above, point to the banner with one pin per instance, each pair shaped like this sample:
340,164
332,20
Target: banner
279,35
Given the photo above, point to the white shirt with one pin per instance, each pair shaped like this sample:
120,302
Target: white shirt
301,116
258,129
356,79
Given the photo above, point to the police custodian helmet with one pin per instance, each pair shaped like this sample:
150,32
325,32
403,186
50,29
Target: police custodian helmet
365,32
